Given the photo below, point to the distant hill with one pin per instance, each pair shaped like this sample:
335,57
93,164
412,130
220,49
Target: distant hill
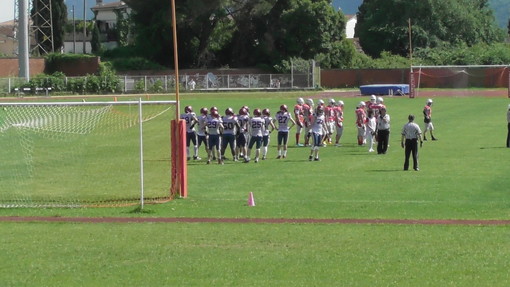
501,9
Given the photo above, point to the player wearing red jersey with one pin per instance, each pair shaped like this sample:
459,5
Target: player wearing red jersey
307,114
427,119
299,119
361,119
329,115
339,121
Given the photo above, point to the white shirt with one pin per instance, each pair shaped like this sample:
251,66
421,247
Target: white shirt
411,131
318,124
283,120
383,123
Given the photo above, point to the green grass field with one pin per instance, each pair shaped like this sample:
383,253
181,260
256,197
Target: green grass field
464,175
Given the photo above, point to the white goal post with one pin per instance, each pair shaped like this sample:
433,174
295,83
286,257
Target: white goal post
459,78
74,154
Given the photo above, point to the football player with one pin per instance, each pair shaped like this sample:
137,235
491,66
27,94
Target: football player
283,118
339,121
361,119
230,128
191,137
214,129
202,130
268,121
299,119
242,119
318,130
256,127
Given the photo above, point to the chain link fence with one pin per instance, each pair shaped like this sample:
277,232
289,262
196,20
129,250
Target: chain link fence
166,83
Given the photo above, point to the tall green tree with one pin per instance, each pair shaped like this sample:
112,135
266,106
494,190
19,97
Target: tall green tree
40,18
383,25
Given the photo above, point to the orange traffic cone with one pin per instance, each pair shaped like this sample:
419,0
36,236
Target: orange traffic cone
251,200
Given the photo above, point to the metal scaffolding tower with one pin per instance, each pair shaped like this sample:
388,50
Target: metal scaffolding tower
42,27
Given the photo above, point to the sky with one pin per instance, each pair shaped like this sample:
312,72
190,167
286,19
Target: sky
6,10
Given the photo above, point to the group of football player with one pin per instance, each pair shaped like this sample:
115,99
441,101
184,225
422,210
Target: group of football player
244,131
367,114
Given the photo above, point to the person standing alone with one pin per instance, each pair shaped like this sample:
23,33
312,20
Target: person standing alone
427,119
411,133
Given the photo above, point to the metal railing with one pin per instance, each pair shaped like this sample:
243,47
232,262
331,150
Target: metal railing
196,82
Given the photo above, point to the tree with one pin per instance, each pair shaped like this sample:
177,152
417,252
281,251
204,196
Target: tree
383,24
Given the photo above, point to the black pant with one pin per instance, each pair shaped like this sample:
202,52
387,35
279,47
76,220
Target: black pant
382,140
411,146
508,136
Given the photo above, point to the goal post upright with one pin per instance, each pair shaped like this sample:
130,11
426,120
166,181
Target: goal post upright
178,126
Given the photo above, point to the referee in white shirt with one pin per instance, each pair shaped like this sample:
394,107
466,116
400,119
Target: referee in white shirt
383,131
411,133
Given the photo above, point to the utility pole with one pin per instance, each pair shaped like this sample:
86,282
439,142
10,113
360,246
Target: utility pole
22,36
84,29
74,33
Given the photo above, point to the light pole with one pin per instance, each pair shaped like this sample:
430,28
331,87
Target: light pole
74,34
84,28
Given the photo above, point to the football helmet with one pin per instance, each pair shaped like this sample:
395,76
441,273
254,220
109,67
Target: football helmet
300,101
380,100
204,111
214,114
309,102
257,112
188,109
229,111
283,108
266,112
243,111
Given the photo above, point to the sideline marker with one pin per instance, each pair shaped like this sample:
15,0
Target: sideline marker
251,200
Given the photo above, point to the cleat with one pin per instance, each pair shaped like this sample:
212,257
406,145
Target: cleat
208,161
246,161
284,156
196,158
263,157
316,159
310,158
188,158
279,157
256,160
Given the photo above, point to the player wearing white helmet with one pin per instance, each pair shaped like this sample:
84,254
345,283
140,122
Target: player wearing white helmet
191,137
339,119
268,122
329,114
299,119
361,119
318,130
256,128
427,119
285,123
230,129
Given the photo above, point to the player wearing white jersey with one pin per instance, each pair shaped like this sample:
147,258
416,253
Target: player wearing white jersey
241,142
329,115
214,129
191,137
318,130
202,130
230,128
285,123
256,128
269,124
